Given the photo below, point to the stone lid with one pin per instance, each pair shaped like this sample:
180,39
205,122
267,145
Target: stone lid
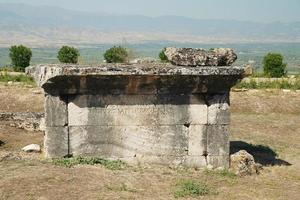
42,73
135,78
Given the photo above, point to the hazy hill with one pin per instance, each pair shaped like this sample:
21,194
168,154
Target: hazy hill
20,23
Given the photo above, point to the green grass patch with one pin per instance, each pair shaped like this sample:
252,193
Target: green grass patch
21,78
190,188
109,164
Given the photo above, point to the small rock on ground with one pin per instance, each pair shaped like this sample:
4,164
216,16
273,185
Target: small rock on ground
32,148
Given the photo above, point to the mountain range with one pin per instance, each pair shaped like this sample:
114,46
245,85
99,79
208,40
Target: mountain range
54,26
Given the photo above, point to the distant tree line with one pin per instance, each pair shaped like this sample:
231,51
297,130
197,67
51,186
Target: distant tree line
20,58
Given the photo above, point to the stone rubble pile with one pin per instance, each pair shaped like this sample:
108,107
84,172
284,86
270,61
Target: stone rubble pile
28,121
243,164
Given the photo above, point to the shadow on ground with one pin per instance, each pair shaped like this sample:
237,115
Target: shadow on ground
261,153
1,143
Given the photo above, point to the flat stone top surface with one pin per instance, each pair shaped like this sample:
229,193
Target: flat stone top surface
136,69
42,73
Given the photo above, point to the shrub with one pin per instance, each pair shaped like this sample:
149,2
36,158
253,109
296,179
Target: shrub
163,56
273,65
116,54
68,55
20,57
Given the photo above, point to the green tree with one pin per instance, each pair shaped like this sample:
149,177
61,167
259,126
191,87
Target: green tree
116,54
163,56
273,65
20,57
68,55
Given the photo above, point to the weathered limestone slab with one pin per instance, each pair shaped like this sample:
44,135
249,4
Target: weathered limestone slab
200,57
154,113
197,140
135,79
136,110
139,144
218,109
56,113
56,142
129,141
218,140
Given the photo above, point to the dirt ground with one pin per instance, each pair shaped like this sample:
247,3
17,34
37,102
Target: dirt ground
270,119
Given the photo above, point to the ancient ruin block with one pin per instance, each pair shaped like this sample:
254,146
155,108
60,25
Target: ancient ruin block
151,113
56,142
197,140
218,109
56,112
217,140
135,110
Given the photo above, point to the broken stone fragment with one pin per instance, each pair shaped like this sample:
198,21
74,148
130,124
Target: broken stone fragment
32,148
243,164
200,57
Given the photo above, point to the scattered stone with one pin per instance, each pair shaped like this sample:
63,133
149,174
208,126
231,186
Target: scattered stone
10,83
28,121
286,91
35,148
243,164
200,57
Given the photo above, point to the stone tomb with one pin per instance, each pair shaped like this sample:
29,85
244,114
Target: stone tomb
152,113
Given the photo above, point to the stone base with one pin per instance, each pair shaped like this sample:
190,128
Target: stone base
160,129
158,113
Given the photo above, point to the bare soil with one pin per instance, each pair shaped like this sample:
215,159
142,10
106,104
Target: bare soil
270,119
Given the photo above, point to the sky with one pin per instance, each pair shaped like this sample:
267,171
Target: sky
245,10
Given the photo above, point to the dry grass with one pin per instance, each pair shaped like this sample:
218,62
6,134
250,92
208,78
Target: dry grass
20,99
270,121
